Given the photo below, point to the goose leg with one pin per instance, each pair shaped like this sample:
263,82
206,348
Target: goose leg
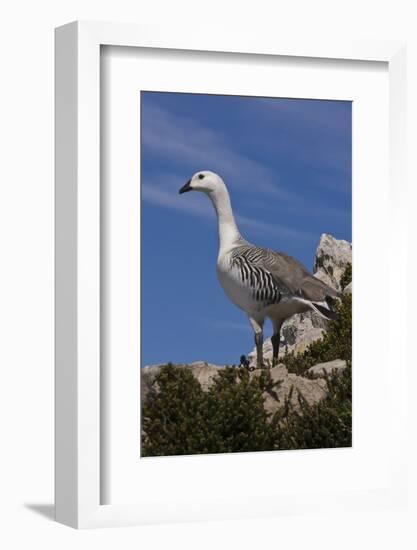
257,326
275,341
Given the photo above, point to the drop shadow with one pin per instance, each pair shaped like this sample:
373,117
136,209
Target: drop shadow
45,510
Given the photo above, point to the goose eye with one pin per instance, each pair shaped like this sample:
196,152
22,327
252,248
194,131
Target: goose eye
200,176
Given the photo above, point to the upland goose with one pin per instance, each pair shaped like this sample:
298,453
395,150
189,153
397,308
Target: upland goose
261,282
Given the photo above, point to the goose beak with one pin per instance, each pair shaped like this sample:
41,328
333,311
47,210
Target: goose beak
185,188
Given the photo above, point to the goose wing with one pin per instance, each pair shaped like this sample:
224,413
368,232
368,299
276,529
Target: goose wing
291,276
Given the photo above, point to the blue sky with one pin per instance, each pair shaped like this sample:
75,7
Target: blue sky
287,164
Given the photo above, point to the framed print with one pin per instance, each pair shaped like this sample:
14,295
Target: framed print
263,373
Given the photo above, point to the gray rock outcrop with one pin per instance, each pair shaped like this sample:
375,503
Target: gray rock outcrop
326,368
313,390
331,259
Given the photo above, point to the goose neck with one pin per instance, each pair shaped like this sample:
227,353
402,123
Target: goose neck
229,234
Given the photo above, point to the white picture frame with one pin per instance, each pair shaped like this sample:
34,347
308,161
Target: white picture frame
78,426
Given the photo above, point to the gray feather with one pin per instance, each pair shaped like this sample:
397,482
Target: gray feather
290,276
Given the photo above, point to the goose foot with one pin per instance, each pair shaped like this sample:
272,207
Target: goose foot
243,362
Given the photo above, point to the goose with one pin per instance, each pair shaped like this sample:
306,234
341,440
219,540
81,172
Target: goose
261,282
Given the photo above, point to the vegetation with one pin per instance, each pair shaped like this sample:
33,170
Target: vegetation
336,343
346,277
174,414
326,424
180,418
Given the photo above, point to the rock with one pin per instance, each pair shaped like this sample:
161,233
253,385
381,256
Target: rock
331,260
321,368
203,372
348,289
300,330
312,390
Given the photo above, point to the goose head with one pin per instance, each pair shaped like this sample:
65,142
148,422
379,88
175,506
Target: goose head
205,181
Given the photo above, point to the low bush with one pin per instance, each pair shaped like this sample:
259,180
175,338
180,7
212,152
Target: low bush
180,418
326,424
336,342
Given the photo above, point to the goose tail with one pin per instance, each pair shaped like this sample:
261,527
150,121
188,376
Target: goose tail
324,310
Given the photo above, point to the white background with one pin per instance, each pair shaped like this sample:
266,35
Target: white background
26,305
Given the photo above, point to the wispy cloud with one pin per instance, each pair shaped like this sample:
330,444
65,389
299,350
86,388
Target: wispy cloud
283,231
165,197
159,196
184,142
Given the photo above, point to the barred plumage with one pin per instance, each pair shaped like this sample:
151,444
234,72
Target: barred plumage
264,289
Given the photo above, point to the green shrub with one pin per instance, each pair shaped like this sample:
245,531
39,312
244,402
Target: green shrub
326,424
346,278
237,419
336,342
173,414
180,418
